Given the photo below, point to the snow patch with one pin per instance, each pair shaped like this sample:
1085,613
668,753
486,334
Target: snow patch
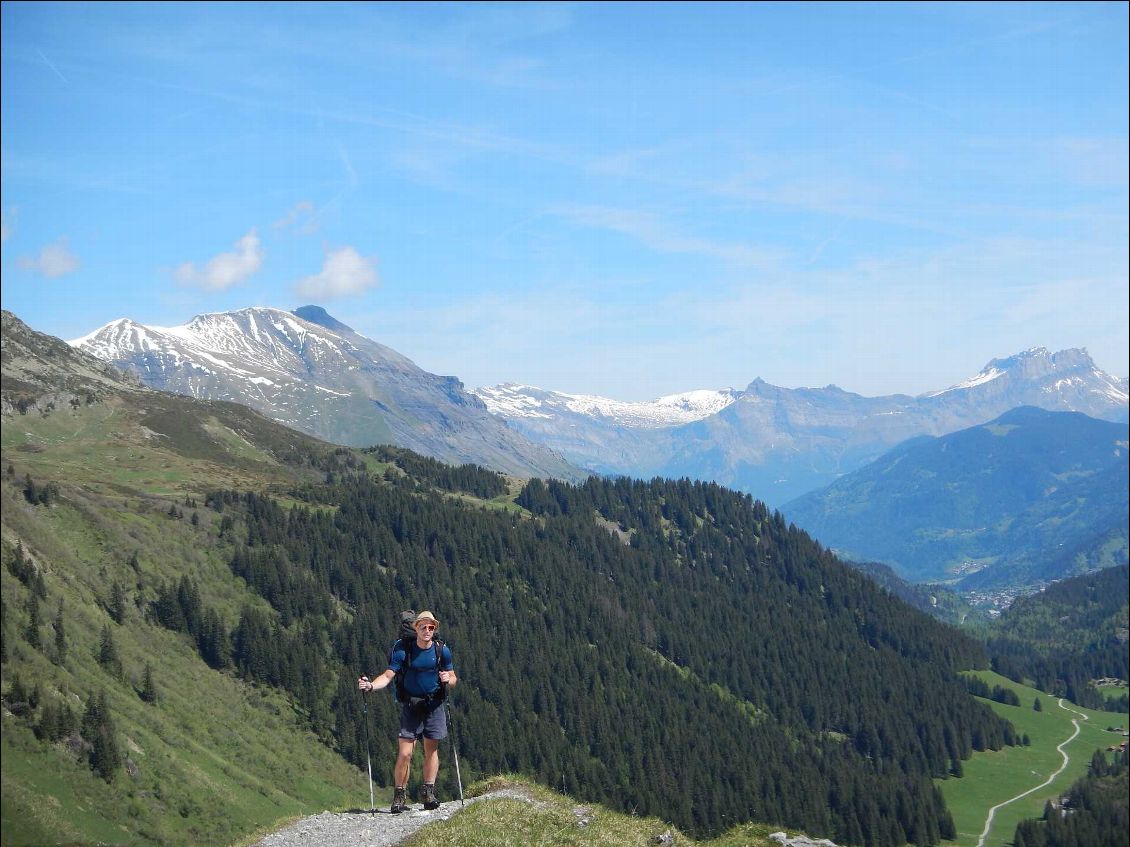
524,401
331,391
987,375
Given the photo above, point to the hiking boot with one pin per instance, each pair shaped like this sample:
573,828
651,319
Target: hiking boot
399,801
429,798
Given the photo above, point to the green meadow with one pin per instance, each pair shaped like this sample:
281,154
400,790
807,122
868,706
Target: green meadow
992,777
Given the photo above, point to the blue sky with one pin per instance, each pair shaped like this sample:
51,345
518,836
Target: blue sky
631,200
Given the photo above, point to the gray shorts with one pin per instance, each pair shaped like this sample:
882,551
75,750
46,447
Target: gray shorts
416,724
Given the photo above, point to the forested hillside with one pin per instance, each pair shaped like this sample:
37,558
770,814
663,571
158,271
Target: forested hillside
1063,638
667,647
1029,498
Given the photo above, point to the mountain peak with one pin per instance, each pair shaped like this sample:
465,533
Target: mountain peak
119,325
1042,358
318,315
1033,364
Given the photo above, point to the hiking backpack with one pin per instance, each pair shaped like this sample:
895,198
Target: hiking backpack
406,637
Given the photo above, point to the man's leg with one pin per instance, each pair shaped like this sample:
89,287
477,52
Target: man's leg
405,746
431,760
431,770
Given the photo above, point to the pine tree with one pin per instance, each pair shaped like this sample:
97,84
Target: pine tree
31,634
117,607
148,686
60,636
98,729
108,652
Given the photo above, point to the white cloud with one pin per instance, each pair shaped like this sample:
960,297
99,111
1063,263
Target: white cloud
54,260
301,216
344,273
227,269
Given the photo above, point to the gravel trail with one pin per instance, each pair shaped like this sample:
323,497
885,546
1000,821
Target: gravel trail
369,829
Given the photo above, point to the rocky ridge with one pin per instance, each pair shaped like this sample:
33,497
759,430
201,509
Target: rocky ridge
40,371
311,372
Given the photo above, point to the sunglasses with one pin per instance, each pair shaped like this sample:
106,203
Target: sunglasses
426,626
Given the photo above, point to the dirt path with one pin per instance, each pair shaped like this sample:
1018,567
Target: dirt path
365,829
1044,784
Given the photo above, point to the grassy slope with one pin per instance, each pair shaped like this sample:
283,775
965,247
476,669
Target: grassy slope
992,777
214,757
549,819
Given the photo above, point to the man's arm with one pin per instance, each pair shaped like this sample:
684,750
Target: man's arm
376,684
447,677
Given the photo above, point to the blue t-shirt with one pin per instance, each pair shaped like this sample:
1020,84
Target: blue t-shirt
421,674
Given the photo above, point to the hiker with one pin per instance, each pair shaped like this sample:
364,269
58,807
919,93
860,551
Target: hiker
423,673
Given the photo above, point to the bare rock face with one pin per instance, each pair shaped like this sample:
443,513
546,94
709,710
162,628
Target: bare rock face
313,373
783,839
41,373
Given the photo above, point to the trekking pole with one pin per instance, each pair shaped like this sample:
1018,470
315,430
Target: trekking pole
454,751
368,754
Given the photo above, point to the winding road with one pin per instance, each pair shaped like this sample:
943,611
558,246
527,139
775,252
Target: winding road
1044,784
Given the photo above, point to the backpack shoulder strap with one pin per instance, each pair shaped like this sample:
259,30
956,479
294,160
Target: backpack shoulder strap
439,645
406,646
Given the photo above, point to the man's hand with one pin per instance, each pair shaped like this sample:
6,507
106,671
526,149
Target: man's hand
364,685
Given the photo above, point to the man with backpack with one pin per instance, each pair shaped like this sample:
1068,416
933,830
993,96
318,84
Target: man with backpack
421,667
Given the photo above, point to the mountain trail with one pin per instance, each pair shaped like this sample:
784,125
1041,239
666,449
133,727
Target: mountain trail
363,828
1044,784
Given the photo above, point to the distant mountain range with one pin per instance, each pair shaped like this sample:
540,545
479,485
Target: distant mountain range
779,443
313,373
1028,498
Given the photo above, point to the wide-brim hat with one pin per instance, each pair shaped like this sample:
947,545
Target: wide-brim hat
425,616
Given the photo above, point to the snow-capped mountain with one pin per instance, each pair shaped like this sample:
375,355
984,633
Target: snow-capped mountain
778,443
525,401
312,372
1068,380
599,434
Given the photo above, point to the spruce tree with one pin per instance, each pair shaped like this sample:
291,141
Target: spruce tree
108,652
148,685
117,607
31,634
60,636
98,729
